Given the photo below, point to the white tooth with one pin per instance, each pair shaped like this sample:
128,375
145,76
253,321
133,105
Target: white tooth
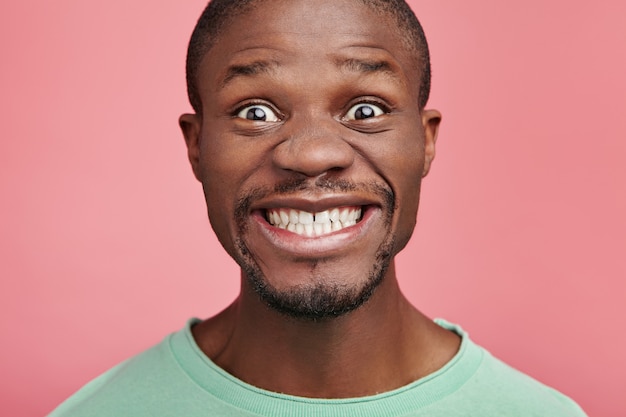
284,217
293,216
349,223
299,228
334,215
358,213
319,228
272,216
352,216
327,227
337,225
322,217
343,215
291,227
305,217
308,229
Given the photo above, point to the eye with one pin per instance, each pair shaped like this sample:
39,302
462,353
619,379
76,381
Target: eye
258,113
364,111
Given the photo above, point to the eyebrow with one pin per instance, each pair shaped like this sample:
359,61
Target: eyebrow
251,69
348,64
366,66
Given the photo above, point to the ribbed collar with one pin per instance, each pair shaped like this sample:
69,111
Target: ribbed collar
425,391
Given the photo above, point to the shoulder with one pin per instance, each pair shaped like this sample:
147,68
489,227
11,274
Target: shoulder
515,390
108,393
498,389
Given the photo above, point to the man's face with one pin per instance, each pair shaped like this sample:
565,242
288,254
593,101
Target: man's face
311,148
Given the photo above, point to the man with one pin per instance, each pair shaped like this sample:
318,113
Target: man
310,137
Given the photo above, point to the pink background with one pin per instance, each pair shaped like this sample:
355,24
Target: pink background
522,232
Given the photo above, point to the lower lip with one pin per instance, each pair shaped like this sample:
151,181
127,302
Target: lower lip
295,244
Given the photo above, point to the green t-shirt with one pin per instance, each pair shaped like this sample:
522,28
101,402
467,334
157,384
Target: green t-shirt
176,379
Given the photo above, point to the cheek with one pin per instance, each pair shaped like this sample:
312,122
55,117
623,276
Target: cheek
221,176
231,158
407,197
224,165
219,209
402,170
401,164
230,169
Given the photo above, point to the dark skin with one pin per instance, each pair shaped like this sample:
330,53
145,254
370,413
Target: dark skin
338,96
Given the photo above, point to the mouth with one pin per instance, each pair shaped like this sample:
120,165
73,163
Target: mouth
314,224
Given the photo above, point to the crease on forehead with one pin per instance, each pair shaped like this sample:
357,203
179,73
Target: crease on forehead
364,66
250,69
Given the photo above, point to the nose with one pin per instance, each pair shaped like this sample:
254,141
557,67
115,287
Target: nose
313,147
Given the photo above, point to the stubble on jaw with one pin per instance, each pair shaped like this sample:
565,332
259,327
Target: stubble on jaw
322,298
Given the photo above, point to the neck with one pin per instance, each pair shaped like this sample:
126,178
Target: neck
380,346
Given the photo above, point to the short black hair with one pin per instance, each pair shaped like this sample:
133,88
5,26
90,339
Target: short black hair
219,13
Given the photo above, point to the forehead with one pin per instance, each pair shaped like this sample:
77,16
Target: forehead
309,31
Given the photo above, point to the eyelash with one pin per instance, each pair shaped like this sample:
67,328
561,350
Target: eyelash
239,109
384,107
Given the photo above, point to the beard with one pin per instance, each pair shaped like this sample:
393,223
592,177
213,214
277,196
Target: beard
323,298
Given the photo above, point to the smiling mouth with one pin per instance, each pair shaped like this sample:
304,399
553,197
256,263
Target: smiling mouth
309,224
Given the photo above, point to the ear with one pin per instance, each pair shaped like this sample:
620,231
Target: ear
430,121
191,125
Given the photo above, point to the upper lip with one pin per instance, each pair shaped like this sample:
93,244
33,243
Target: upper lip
314,202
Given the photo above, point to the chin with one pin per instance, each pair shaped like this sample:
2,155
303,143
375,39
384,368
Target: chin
322,296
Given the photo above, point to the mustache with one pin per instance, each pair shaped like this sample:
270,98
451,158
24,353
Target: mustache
292,186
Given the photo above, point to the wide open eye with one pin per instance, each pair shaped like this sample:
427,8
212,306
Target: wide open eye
258,113
363,111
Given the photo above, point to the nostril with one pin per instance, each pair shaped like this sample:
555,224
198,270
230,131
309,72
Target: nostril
313,155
